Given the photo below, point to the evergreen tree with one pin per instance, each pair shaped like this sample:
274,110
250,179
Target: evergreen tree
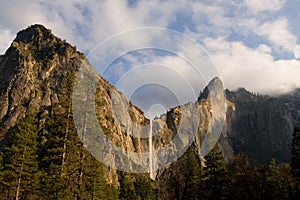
193,170
20,165
53,162
214,177
240,175
278,181
295,164
182,180
60,151
94,184
143,187
70,171
296,153
127,189
100,189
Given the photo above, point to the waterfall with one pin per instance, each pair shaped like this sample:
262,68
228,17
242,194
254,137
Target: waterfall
150,153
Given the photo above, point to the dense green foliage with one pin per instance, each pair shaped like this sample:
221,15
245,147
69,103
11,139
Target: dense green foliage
19,177
214,176
31,173
295,165
51,162
296,152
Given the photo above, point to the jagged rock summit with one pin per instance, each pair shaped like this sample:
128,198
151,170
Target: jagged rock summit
32,70
36,34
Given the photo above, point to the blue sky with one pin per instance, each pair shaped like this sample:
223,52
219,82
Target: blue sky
254,44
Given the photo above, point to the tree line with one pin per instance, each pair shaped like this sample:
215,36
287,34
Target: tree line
69,172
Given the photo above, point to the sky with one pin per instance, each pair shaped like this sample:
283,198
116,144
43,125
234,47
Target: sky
252,44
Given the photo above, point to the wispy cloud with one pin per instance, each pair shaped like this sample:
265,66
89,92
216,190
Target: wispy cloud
278,33
267,5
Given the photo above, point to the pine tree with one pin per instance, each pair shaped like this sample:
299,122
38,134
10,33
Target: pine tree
249,180
69,170
295,164
278,181
143,187
57,156
241,178
214,177
99,186
182,179
53,163
127,189
296,153
193,170
20,168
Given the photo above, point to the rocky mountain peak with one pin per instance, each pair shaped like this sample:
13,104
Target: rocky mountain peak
215,82
214,89
32,72
35,34
38,43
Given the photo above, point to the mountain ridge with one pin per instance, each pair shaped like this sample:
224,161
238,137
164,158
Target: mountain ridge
37,62
30,73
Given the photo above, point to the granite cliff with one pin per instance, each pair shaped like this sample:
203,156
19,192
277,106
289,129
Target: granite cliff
37,65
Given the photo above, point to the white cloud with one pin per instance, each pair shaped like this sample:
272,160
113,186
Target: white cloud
262,48
265,5
5,39
212,18
17,14
254,69
277,32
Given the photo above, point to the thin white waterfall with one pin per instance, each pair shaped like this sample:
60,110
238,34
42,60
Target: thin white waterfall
150,152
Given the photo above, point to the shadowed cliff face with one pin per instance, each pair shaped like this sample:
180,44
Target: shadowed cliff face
292,103
36,65
260,126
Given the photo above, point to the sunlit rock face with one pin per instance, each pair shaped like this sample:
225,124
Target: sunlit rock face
37,64
32,72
